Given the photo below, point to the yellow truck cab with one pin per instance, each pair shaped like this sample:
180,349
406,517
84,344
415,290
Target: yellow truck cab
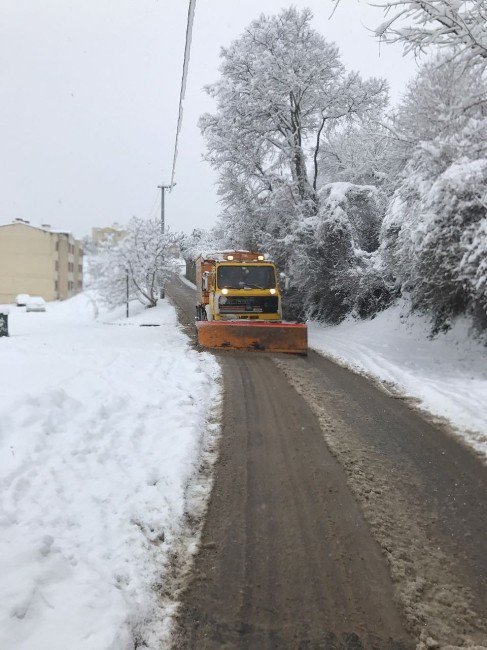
235,285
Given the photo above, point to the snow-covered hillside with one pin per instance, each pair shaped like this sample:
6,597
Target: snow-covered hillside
447,374
101,427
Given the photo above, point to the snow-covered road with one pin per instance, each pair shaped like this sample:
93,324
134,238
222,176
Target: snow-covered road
101,426
447,374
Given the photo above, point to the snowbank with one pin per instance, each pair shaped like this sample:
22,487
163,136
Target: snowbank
448,374
101,427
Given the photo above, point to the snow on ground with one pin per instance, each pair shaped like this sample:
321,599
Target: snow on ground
101,427
448,374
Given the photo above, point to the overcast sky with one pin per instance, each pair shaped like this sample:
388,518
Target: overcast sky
89,94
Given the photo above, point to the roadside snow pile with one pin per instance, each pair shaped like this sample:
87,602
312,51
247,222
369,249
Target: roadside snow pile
448,374
101,427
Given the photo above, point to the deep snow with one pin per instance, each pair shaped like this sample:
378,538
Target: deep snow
101,426
447,374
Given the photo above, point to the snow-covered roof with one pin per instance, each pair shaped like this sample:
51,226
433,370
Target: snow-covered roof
43,227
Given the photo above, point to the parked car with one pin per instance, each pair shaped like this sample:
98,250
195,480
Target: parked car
21,299
35,303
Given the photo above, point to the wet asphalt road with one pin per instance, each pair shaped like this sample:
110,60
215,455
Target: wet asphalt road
288,559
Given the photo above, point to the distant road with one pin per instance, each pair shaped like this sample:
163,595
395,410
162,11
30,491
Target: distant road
339,517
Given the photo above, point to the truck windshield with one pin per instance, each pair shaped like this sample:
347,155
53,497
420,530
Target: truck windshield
240,277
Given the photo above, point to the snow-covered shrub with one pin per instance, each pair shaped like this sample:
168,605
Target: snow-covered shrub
434,242
375,290
333,265
433,234
451,269
323,266
364,207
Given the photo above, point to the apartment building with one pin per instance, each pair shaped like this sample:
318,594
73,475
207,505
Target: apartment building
38,261
114,233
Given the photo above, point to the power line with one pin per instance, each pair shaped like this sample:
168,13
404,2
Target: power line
187,49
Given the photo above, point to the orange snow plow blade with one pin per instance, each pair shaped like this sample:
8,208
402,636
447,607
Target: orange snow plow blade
258,335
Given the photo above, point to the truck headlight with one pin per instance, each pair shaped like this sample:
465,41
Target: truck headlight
224,292
272,291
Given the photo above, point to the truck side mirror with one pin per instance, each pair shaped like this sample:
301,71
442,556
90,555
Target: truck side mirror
284,281
204,282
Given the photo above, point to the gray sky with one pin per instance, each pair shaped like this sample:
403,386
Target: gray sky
89,94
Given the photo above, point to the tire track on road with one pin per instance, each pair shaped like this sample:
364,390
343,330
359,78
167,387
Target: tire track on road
287,559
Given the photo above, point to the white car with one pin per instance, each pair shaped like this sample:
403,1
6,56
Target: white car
35,303
21,299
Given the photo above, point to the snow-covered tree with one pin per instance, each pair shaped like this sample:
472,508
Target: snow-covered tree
446,102
142,257
282,86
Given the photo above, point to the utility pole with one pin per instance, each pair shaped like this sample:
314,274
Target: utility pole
163,189
127,292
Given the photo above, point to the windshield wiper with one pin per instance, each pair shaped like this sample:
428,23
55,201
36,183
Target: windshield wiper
248,285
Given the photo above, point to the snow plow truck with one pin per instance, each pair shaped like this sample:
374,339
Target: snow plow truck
239,305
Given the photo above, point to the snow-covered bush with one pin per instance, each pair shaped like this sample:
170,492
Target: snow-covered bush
451,269
364,207
433,235
333,264
434,242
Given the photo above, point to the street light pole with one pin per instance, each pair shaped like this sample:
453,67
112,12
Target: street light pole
163,189
127,297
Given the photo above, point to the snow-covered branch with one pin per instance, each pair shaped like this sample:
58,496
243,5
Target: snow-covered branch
457,25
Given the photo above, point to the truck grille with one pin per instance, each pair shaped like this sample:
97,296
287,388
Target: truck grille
249,304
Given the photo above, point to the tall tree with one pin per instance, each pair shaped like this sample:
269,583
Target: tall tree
281,87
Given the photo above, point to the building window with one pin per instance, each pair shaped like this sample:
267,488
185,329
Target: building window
56,265
80,285
80,268
57,244
56,286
